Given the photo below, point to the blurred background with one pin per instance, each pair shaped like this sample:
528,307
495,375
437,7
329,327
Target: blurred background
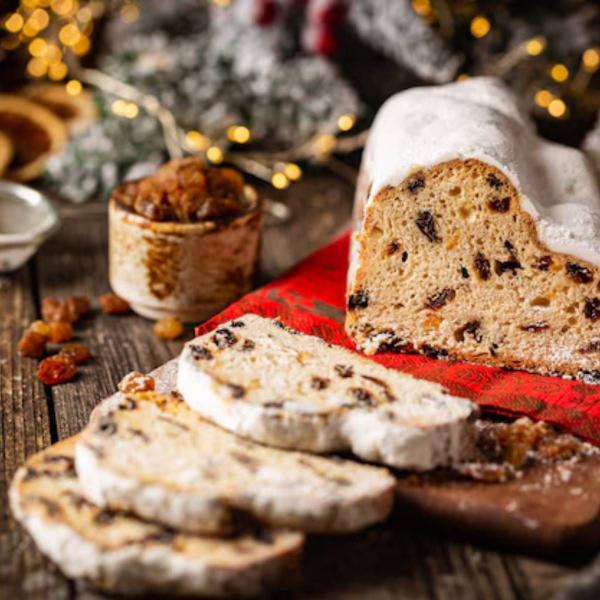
274,87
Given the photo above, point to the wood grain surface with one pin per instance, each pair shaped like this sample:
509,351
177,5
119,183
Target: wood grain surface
394,560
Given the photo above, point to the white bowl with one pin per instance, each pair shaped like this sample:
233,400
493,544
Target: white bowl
26,219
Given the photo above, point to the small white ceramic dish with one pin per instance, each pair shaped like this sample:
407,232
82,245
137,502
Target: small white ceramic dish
26,219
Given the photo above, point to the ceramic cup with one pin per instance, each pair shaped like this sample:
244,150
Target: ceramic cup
186,270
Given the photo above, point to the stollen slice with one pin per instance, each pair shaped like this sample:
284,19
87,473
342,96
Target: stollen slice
122,554
274,385
153,456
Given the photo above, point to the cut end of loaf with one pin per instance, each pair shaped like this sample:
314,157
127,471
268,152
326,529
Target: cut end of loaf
449,264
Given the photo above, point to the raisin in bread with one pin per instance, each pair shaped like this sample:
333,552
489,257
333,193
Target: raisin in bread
475,238
277,386
119,553
153,456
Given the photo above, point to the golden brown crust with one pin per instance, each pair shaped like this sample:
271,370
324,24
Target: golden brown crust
567,302
6,152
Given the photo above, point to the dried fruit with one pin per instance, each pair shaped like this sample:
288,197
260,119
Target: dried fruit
224,338
112,304
392,248
60,332
426,223
319,383
79,306
168,328
40,327
471,328
32,344
54,310
136,382
433,352
591,309
500,205
534,327
78,353
344,371
416,183
440,299
543,263
56,369
248,345
482,266
493,181
579,273
500,266
200,352
363,396
358,300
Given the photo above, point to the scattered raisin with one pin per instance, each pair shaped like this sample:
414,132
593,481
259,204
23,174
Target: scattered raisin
78,353
200,352
32,344
464,273
168,328
237,391
344,371
593,346
363,396
592,308
510,249
440,299
40,327
394,343
112,304
358,300
543,263
60,332
433,352
136,382
501,266
404,256
248,345
56,369
493,181
493,348
500,205
482,266
52,310
416,183
579,273
79,305
223,338
237,324
392,248
426,223
534,327
471,328
319,383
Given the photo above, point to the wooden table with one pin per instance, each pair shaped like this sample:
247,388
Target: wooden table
389,561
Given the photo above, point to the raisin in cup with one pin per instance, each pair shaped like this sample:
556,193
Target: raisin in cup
174,251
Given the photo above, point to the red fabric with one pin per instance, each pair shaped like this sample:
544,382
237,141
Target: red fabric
310,298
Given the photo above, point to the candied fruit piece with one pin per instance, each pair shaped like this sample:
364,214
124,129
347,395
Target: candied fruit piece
54,310
60,332
78,353
32,344
78,306
56,369
40,327
112,304
136,382
168,328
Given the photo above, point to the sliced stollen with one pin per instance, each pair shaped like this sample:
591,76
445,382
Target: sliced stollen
122,554
153,456
277,386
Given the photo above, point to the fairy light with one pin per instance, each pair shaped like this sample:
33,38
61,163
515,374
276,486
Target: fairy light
238,134
31,28
559,72
82,47
57,71
84,14
124,108
543,98
73,87
324,144
69,34
292,171
280,181
38,47
462,76
63,8
129,13
557,108
53,53
480,26
197,141
215,155
346,122
36,67
590,59
535,46
422,7
221,3
14,23
41,18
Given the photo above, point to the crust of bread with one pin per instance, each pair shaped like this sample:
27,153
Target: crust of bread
162,461
6,152
379,414
573,362
119,553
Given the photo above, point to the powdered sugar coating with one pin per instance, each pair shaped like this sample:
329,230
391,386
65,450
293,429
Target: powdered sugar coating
480,118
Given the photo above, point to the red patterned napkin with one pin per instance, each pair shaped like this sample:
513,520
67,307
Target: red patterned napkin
310,297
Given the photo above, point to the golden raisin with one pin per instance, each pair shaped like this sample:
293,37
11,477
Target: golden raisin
136,382
112,304
54,310
56,369
32,344
60,332
40,327
168,328
78,353
78,306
